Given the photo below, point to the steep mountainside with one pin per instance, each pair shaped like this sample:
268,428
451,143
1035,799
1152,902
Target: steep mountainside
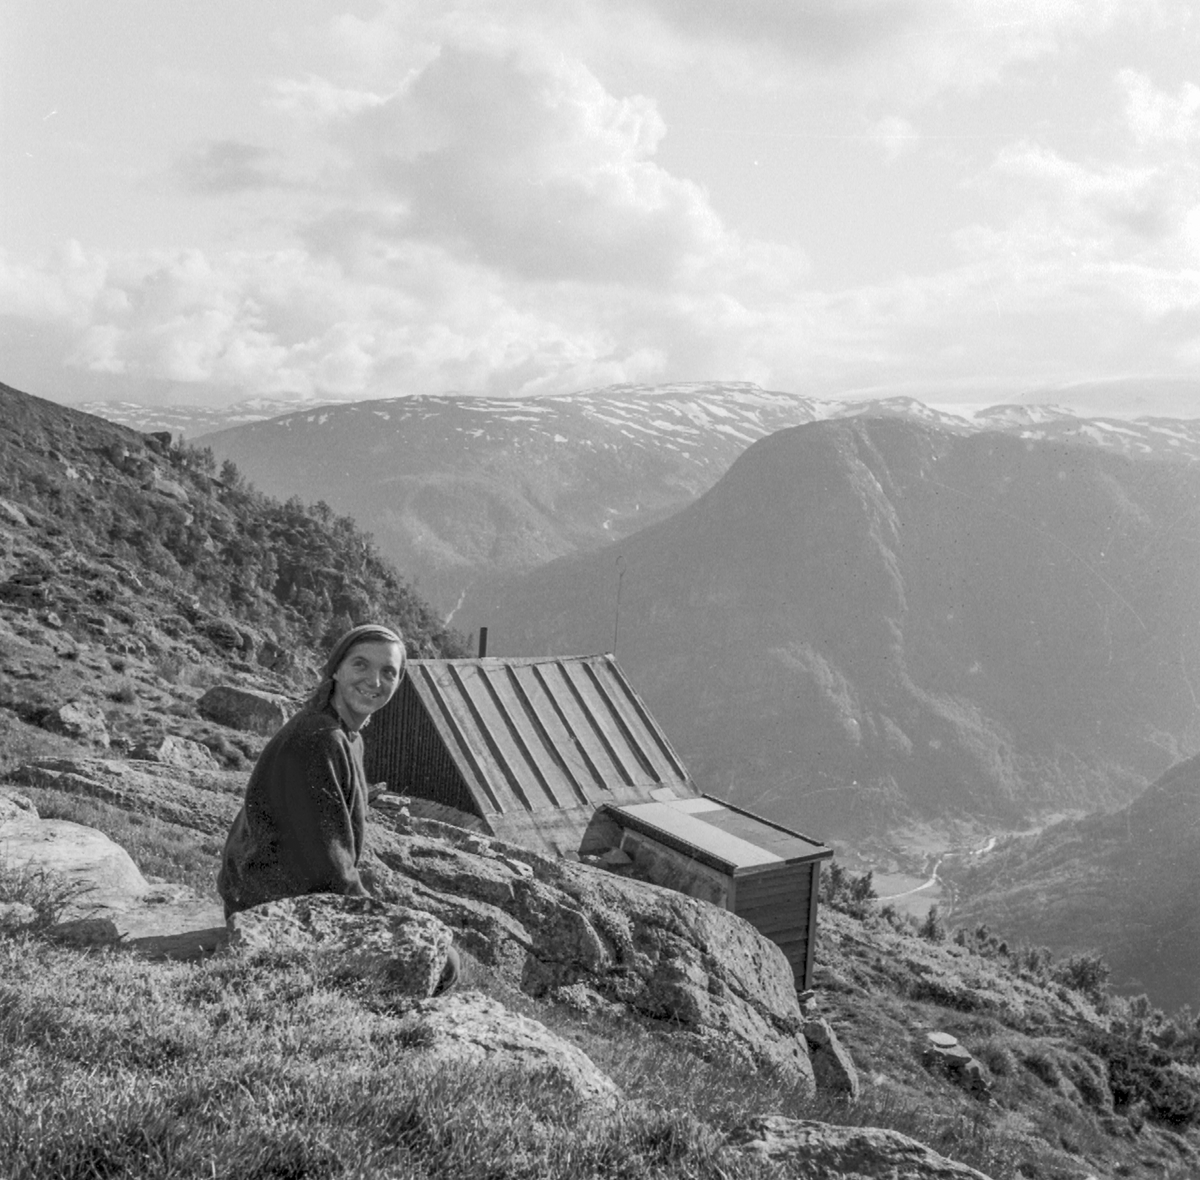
872,619
131,576
1124,883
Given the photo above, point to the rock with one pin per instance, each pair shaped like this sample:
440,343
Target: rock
247,709
476,1029
201,799
86,932
851,1153
173,750
79,720
170,488
93,871
832,1064
551,924
403,947
943,1052
15,914
11,514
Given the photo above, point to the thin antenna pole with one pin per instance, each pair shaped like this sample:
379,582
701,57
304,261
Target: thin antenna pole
617,612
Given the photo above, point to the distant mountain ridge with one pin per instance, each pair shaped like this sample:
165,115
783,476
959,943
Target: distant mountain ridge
460,491
867,620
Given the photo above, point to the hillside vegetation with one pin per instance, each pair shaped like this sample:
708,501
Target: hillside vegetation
1125,882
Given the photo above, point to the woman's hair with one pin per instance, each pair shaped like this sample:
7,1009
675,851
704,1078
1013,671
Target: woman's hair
367,633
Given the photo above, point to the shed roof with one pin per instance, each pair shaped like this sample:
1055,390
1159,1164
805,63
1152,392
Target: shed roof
720,835
546,734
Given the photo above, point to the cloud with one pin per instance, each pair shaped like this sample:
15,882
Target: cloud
533,168
227,166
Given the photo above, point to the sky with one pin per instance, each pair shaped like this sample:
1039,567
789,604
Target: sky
964,201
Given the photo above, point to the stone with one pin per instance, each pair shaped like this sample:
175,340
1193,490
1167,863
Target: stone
941,1040
174,750
248,709
12,514
92,869
85,932
477,1030
402,947
856,1153
79,720
833,1067
170,488
552,924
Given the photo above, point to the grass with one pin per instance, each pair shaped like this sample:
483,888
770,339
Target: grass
280,1064
262,1067
46,893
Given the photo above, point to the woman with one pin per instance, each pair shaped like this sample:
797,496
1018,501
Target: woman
301,827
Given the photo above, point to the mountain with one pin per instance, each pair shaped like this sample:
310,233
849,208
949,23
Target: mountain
131,576
869,620
1123,884
462,491
188,421
459,489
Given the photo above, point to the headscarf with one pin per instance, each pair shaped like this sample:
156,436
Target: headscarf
367,633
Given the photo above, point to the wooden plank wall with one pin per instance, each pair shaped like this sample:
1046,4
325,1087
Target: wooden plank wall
402,748
777,903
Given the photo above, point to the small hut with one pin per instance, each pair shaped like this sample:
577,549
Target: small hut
562,756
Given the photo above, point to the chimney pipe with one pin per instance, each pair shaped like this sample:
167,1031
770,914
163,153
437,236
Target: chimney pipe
482,642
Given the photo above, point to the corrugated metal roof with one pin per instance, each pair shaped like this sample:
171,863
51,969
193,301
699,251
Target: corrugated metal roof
719,835
541,734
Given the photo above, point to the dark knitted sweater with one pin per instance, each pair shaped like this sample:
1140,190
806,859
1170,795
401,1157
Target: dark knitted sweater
301,827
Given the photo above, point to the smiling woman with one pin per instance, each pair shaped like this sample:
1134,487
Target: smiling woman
303,822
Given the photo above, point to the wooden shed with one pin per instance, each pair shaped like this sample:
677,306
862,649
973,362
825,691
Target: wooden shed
760,870
559,754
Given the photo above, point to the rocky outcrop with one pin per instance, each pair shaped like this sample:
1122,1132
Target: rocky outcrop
850,1153
248,709
477,1030
80,720
173,750
570,931
204,800
832,1064
402,949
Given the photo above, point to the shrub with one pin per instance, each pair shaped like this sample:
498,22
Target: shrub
1085,973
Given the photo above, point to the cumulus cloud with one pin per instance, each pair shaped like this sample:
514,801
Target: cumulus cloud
533,168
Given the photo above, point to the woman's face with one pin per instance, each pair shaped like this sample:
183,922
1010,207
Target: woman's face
366,679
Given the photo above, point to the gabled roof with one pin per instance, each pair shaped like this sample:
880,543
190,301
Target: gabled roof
547,734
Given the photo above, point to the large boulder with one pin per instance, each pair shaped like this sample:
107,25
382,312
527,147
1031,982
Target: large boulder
556,928
404,949
84,864
104,897
248,709
472,1028
852,1153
